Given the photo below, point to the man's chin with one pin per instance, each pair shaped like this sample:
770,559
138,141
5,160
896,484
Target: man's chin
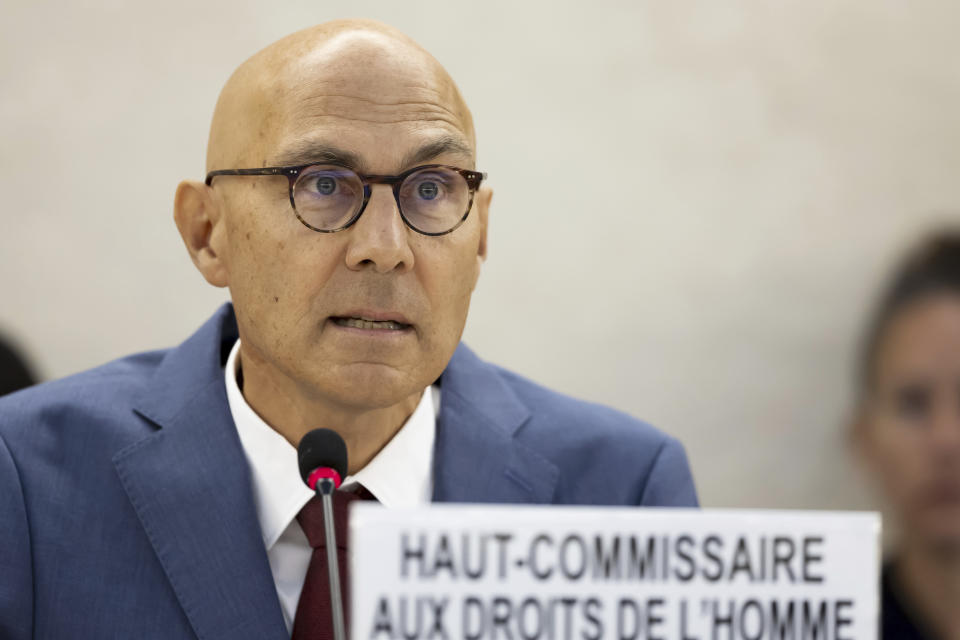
371,386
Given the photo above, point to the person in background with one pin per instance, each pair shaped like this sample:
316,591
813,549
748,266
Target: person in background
15,372
907,430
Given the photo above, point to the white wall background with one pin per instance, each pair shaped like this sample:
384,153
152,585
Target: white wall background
694,201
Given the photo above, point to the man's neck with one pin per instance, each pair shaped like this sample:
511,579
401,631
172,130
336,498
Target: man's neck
364,430
930,580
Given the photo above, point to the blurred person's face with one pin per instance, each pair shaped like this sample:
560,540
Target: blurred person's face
369,316
910,431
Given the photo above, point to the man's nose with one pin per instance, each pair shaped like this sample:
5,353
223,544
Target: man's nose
945,433
380,239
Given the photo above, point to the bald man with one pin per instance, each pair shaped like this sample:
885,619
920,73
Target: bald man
158,496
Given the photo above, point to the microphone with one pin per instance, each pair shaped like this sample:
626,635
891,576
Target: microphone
322,457
322,453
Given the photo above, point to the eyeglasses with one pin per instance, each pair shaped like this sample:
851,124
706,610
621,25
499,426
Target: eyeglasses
433,199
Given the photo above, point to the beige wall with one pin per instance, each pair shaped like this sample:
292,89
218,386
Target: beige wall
694,201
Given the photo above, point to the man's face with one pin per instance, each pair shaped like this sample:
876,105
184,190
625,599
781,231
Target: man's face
912,435
295,290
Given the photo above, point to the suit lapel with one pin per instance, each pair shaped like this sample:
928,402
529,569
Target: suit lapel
190,486
477,458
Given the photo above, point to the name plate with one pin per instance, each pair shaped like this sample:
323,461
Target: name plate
588,573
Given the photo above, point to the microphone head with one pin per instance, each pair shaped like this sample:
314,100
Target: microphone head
322,449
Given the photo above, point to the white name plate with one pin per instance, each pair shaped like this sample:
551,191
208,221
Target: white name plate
475,572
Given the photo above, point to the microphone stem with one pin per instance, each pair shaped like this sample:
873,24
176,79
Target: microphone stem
333,566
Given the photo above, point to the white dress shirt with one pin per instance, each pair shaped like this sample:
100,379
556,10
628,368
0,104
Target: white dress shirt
279,493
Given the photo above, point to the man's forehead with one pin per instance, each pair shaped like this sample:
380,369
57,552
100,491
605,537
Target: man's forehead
357,82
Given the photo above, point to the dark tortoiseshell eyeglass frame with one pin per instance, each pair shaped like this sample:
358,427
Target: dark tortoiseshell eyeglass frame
472,178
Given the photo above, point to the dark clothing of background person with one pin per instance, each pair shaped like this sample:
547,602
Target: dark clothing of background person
896,623
15,373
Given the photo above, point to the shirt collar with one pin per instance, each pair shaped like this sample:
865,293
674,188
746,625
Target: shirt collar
278,491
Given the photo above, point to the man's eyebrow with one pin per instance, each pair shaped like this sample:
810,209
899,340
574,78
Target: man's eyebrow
305,152
446,144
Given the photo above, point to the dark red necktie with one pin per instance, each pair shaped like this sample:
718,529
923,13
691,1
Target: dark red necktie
314,619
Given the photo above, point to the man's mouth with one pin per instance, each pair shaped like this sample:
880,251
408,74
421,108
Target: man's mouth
377,325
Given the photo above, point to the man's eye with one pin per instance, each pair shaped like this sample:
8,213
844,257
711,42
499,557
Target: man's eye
428,190
913,402
325,185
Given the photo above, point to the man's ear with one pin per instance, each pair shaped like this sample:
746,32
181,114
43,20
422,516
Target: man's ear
855,430
484,197
858,438
197,214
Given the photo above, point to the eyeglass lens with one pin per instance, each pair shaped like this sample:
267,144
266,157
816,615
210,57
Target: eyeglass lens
432,200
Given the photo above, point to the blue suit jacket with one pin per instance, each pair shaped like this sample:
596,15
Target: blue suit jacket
126,508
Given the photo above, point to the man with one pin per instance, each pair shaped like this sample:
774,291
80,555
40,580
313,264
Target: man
158,496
